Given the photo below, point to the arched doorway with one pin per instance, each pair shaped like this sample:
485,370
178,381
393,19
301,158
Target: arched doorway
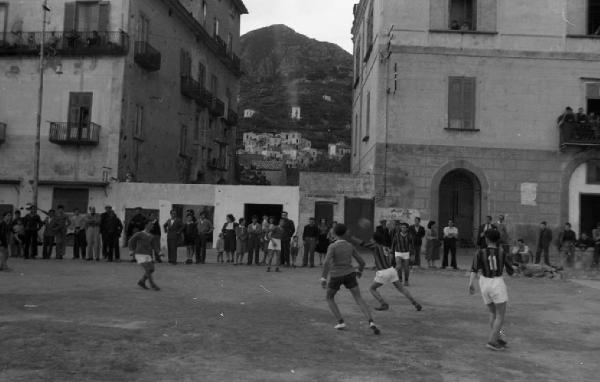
460,200
584,197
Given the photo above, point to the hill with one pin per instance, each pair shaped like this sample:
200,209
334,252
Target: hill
285,69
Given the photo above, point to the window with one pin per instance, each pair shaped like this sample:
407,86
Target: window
201,74
593,172
139,122
357,59
216,27
183,140
369,33
229,43
143,28
368,124
463,15
461,103
204,12
80,109
356,133
198,126
228,98
87,16
137,149
3,20
594,17
71,198
186,63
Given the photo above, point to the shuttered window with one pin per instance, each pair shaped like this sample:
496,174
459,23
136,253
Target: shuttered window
461,103
3,19
87,16
186,63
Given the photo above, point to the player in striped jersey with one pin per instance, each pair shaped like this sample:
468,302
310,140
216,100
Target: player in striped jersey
491,261
385,272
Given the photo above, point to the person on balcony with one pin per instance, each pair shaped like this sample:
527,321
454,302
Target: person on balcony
581,117
567,116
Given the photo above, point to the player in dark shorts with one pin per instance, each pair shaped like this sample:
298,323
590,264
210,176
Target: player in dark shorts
491,261
386,273
338,266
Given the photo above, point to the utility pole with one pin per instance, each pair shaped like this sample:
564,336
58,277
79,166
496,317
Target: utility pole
36,152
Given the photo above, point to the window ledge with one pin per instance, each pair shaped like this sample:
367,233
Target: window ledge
590,36
454,129
489,33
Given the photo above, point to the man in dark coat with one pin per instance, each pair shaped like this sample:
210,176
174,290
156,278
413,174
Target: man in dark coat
543,244
32,224
110,229
417,231
174,229
288,231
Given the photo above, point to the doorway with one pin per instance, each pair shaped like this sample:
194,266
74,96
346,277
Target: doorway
324,210
589,217
259,210
460,201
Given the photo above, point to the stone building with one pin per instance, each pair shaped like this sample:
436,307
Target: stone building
142,90
455,110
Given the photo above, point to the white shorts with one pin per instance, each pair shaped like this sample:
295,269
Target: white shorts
403,255
141,259
493,290
385,276
275,244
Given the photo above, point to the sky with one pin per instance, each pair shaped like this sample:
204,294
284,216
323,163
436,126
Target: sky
324,20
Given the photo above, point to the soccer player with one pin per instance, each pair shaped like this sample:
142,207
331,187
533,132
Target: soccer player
385,272
141,246
338,266
491,261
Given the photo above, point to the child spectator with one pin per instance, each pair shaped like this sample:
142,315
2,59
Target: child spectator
241,234
220,248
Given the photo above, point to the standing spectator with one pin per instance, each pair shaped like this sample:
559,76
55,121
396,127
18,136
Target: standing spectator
418,233
5,233
92,235
566,245
265,226
103,233
61,223
310,236
481,242
567,116
288,231
323,242
450,237
254,238
241,244
136,224
229,237
402,246
596,238
111,229
174,229
49,234
18,235
205,228
32,223
190,238
543,244
432,244
155,231
78,224
504,237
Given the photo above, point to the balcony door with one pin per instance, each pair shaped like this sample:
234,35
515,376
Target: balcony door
80,113
87,16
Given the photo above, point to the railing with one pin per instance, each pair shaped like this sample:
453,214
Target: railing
218,107
146,56
2,132
69,133
221,45
205,97
579,134
190,88
72,43
232,118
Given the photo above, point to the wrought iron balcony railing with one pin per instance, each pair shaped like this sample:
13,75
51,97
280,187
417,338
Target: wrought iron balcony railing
221,45
218,107
190,88
2,132
205,97
579,134
71,43
147,56
79,134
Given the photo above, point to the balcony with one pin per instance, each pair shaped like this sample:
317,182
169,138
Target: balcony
217,108
221,45
205,98
146,56
190,88
232,118
72,133
2,132
65,43
579,135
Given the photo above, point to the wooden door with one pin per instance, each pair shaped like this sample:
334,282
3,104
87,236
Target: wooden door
457,203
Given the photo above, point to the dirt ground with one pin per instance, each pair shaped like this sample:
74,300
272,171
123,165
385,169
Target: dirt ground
80,321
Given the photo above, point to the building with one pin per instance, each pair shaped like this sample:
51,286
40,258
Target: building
455,110
339,150
142,90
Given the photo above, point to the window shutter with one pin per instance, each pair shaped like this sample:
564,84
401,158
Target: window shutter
70,15
468,103
455,91
438,10
186,64
487,15
104,16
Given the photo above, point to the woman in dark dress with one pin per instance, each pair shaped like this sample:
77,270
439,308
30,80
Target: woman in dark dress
229,237
323,242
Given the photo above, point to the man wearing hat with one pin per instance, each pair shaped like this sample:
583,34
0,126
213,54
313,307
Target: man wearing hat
110,229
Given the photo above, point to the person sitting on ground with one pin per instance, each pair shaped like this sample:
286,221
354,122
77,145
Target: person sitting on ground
338,267
567,116
521,253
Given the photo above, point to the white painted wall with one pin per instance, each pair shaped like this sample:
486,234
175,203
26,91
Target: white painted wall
578,186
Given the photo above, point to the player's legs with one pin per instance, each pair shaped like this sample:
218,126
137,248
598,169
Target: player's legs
269,259
277,255
405,270
364,308
407,294
373,289
500,312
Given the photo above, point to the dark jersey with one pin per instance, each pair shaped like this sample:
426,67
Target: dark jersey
491,262
382,261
